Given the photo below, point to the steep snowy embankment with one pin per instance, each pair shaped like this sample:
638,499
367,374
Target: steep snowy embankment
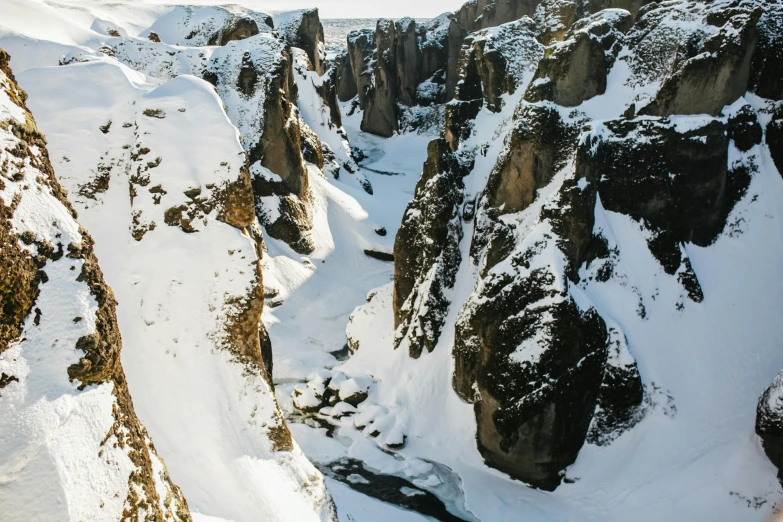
149,187
67,422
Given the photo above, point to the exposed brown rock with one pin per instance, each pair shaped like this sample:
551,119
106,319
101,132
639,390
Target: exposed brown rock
537,148
380,109
361,52
308,34
576,70
344,78
716,75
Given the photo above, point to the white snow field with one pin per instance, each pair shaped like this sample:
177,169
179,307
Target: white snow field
56,438
693,457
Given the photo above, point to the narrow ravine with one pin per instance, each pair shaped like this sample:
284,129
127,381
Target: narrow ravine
307,323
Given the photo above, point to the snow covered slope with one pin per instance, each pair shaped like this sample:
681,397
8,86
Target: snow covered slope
164,188
67,422
584,295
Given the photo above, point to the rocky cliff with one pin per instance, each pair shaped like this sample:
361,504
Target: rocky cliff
255,78
66,415
545,367
407,63
303,29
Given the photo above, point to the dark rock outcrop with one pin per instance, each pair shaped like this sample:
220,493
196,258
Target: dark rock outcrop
407,69
576,70
279,149
494,62
774,134
684,186
207,25
427,246
236,28
343,77
545,370
766,67
361,56
538,146
380,106
544,374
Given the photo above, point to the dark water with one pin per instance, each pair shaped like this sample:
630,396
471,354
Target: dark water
444,502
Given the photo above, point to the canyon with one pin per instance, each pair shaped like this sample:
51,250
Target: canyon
518,261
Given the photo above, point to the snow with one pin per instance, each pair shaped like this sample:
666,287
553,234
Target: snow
194,25
692,458
175,289
54,435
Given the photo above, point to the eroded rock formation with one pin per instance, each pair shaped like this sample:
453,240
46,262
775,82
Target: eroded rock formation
545,369
303,29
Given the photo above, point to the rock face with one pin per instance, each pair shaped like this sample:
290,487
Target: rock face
402,63
497,61
575,70
484,42
711,73
344,79
255,79
427,247
303,29
380,106
546,369
361,55
522,328
766,71
774,134
539,145
49,274
172,157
